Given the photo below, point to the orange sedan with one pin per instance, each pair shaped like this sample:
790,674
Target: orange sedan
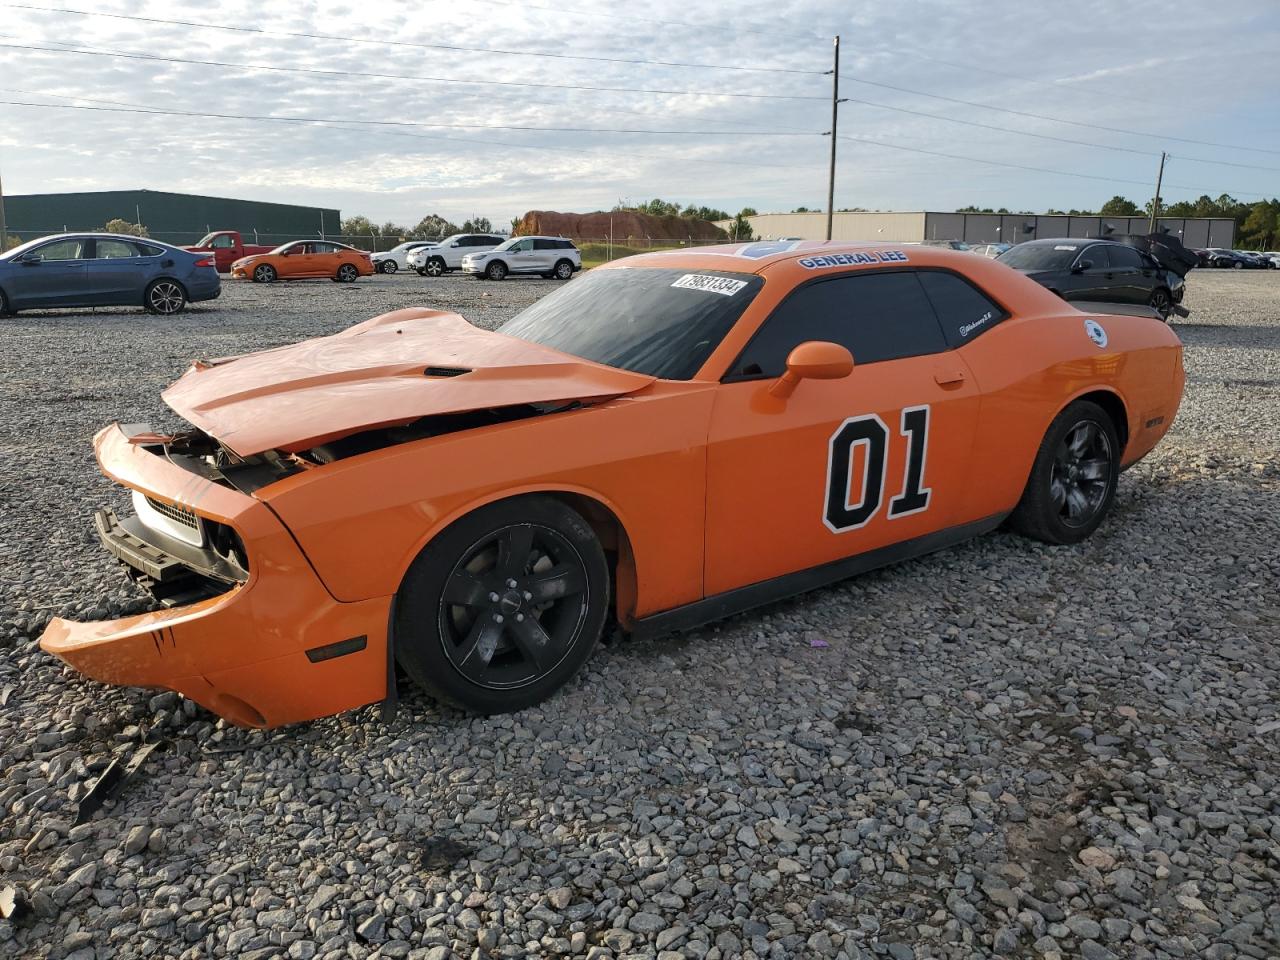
667,440
305,260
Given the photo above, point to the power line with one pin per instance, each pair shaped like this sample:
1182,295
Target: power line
767,32
316,71
413,123
1041,116
1020,166
455,48
1048,136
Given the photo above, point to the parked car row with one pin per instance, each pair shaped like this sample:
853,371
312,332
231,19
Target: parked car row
1222,258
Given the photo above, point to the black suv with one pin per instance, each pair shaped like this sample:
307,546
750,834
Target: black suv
1099,270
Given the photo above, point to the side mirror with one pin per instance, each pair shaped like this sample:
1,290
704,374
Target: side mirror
813,360
32,258
456,243
1081,266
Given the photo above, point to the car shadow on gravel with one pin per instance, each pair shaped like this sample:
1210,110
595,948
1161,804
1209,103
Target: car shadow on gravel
1246,336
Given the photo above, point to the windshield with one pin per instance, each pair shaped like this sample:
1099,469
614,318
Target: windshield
507,244
659,322
1049,256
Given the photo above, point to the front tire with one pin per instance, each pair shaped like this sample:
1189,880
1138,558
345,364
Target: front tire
1073,480
434,268
504,607
264,273
165,297
496,270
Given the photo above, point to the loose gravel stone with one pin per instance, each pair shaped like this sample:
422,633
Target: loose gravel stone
1001,749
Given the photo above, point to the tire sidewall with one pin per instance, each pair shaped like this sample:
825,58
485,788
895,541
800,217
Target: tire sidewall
496,274
435,267
1051,525
418,646
347,274
567,274
146,297
264,273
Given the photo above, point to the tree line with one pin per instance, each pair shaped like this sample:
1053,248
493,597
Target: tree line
431,227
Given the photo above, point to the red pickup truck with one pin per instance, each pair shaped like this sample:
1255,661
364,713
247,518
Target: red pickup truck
227,247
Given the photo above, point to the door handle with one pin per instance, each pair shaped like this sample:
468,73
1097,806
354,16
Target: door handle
945,378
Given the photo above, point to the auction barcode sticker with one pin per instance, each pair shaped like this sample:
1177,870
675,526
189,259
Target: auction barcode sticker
724,286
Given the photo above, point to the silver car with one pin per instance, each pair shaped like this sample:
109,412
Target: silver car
543,256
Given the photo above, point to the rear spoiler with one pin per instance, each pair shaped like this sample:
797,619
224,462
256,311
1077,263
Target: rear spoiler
1131,310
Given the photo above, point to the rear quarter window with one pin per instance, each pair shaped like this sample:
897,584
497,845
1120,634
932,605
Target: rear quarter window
964,311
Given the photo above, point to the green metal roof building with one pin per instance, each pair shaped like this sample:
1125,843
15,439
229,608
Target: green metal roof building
177,218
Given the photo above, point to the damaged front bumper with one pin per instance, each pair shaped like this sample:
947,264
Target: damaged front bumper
260,647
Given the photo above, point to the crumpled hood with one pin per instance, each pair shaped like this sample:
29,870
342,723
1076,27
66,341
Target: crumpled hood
387,371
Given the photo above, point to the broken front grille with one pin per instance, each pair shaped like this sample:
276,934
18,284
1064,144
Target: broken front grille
175,513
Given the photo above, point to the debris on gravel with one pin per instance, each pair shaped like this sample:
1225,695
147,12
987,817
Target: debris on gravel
1005,749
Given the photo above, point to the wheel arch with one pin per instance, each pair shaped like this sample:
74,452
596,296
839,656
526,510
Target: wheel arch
603,516
1114,405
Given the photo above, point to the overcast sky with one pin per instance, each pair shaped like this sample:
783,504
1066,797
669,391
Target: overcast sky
1198,71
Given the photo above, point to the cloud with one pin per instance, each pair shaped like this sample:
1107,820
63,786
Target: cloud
1001,53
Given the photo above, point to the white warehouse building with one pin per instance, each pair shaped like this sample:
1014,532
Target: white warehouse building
981,227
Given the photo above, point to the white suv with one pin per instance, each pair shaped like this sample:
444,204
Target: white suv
448,253
546,256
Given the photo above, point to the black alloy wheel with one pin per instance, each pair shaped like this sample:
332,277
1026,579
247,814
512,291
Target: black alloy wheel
1074,477
165,297
347,273
503,607
264,273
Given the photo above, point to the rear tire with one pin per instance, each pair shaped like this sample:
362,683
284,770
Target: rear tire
165,297
347,273
563,270
468,637
390,266
4,305
1073,480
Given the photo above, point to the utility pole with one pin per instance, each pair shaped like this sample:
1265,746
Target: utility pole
835,103
4,234
1155,201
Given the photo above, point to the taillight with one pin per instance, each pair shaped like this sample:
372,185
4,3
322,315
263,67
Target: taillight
205,262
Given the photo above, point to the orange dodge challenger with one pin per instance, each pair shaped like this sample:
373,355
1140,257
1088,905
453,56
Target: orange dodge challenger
666,440
303,260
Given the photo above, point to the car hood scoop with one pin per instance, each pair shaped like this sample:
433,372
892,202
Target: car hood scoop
387,371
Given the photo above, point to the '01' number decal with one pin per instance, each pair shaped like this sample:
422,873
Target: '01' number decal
869,431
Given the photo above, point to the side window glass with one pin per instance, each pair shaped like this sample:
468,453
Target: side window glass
964,311
1097,257
223,242
62,250
114,250
877,316
1125,257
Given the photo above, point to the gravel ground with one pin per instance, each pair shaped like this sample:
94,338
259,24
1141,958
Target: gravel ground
1005,749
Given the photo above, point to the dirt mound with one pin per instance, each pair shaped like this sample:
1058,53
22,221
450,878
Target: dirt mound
627,225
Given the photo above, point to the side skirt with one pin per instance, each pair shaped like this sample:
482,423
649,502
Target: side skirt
769,591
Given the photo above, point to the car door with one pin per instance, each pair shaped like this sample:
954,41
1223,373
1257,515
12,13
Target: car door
840,467
520,256
1092,277
545,253
1133,279
117,273
51,275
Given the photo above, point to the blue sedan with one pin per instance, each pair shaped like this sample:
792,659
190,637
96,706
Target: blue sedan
104,270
